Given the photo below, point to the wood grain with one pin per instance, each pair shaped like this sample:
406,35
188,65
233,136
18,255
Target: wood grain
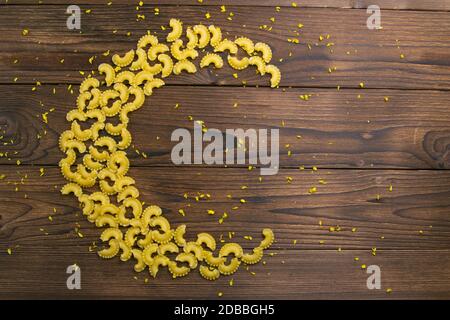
433,5
359,54
299,274
337,128
420,200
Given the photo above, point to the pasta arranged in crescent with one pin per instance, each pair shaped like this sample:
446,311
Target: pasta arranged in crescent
95,155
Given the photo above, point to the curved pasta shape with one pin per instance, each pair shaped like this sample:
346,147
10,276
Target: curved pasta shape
238,64
206,239
155,83
89,83
146,40
177,271
177,30
158,261
108,71
141,59
189,258
180,54
156,50
226,45
125,60
254,257
246,44
95,161
269,238
212,58
216,35
167,63
111,251
209,273
231,248
203,35
184,65
178,235
275,75
228,269
265,50
259,63
82,100
192,38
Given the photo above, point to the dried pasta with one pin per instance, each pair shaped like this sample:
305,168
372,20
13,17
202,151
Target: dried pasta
96,164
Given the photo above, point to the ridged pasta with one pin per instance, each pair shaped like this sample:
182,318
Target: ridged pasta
184,65
177,30
125,60
212,58
95,153
203,35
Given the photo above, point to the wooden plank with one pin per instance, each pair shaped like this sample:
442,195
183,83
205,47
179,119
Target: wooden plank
359,54
337,128
419,201
39,271
433,5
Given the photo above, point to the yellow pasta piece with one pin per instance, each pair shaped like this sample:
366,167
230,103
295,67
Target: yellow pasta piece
95,101
146,40
140,264
184,65
211,260
82,100
246,44
192,38
122,89
128,192
212,58
231,248
156,50
177,271
149,253
206,239
259,63
228,269
72,188
209,273
89,83
168,247
125,60
226,45
180,54
177,30
269,238
167,65
155,83
275,75
111,251
195,249
141,77
108,71
216,35
254,257
203,35
106,219
141,59
127,252
178,235
238,64
265,50
76,114
189,258
158,261
123,76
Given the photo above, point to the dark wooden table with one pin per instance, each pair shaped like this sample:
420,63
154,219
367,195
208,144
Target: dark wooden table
384,164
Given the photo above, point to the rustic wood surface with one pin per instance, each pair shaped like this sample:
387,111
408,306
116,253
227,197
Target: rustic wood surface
361,145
